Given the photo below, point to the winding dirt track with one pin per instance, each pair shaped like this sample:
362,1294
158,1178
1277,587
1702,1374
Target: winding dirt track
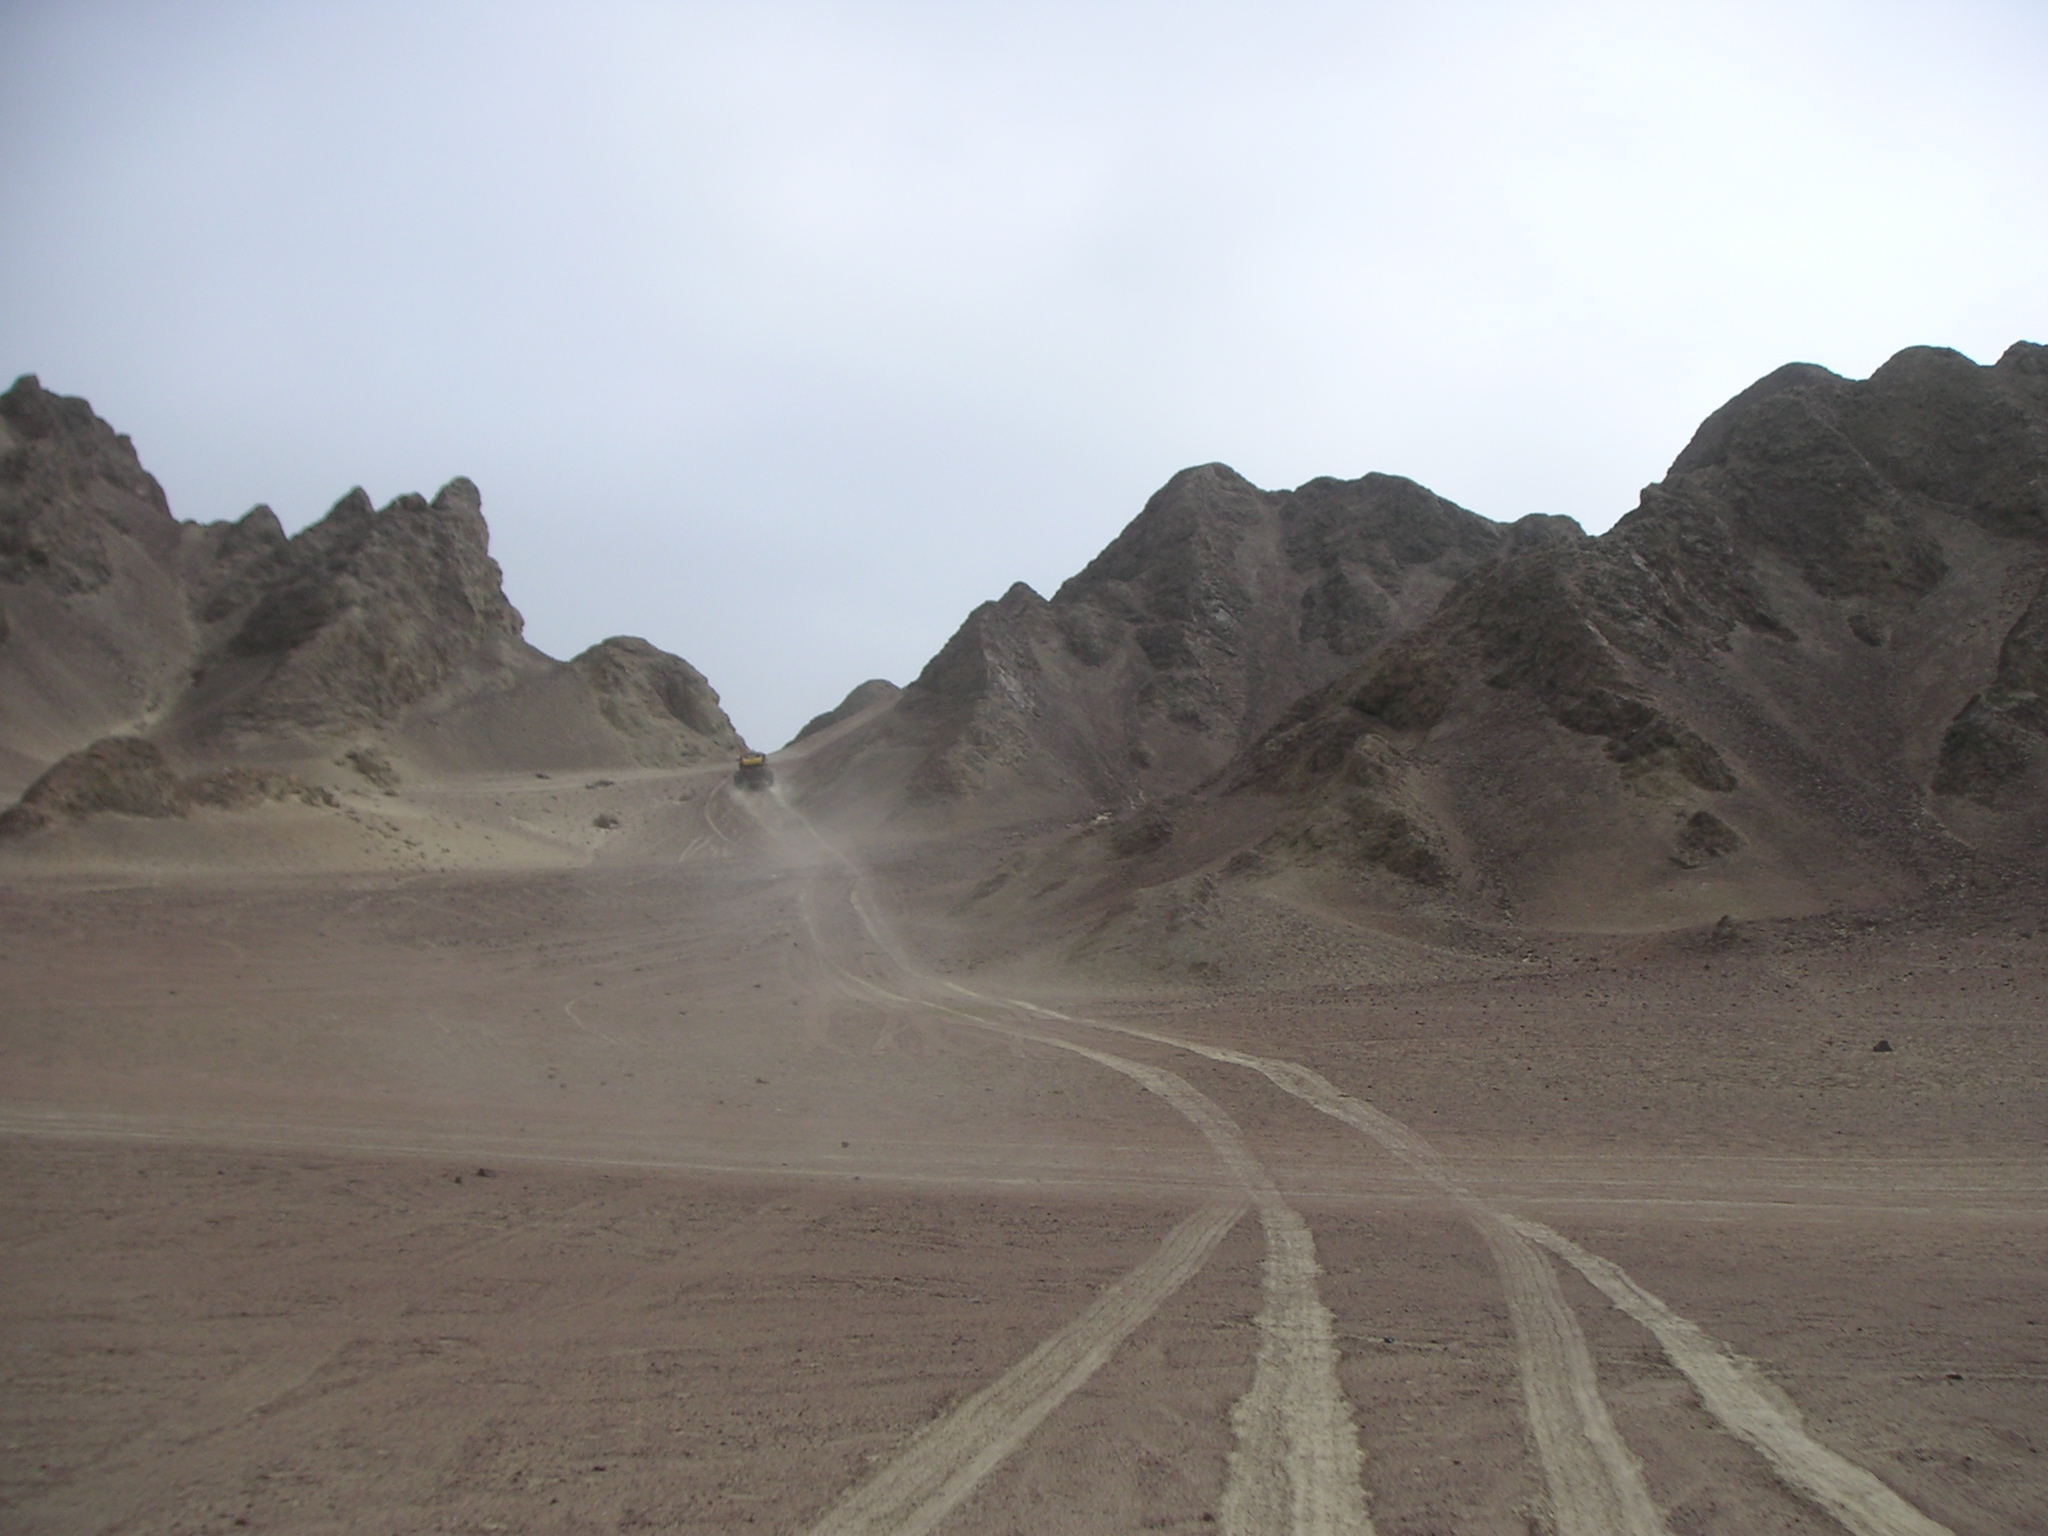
788,1232
1595,1483
1296,1464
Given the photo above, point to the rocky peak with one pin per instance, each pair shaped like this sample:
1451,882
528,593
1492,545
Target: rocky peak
1538,530
1709,445
354,618
664,708
1737,650
991,638
1839,478
1185,537
71,440
1359,541
1386,523
68,484
1191,631
1975,440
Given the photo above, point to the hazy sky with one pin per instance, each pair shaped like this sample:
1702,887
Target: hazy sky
784,334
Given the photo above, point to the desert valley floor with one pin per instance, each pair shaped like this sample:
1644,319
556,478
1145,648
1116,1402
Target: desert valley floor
714,1181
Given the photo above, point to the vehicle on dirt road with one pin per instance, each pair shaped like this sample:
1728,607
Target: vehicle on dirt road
754,772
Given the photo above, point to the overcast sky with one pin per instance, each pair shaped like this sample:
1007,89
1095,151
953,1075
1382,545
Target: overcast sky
784,334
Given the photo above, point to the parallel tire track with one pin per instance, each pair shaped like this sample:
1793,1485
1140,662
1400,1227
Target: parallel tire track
1595,1483
1748,1405
1296,1466
1731,1388
945,1462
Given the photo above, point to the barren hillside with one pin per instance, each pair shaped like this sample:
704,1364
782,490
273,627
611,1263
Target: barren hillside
1805,672
373,630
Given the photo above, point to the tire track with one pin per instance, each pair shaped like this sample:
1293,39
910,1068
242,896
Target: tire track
1296,1466
1748,1405
1733,1390
948,1460
1595,1483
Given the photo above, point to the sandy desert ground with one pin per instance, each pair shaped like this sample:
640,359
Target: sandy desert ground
490,1172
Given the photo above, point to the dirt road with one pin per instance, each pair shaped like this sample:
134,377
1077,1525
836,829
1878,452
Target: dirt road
785,1228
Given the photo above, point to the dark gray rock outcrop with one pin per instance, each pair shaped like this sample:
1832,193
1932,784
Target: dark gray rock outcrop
129,776
122,775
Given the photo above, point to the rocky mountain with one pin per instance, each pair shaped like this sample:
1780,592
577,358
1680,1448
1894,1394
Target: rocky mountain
227,642
96,628
1808,670
361,616
872,694
659,704
1189,635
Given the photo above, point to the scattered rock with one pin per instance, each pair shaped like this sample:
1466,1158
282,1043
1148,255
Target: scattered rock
604,821
125,775
372,764
236,789
1882,1046
1703,838
1147,832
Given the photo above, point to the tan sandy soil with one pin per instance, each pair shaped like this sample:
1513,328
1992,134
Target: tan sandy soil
780,1219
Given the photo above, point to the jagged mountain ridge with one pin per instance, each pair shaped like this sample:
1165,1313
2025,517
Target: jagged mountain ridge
227,641
1807,670
1155,665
